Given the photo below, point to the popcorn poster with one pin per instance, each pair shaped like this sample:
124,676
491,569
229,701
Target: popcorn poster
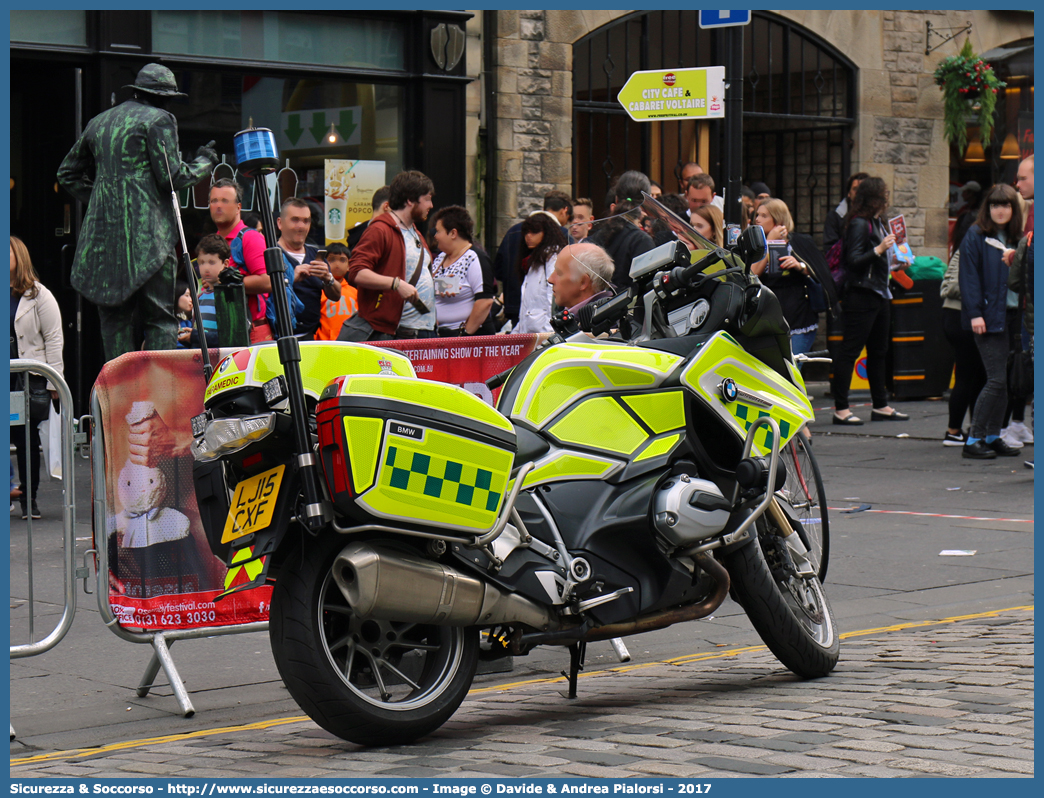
349,190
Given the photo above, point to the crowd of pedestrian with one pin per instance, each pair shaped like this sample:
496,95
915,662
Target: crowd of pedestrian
401,275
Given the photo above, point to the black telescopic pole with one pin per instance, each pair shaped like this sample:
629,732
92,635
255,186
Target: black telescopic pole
190,275
290,358
733,124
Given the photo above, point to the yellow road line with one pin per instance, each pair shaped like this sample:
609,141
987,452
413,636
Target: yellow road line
78,753
684,660
733,652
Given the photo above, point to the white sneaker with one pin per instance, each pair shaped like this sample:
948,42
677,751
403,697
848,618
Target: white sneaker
1020,432
1009,438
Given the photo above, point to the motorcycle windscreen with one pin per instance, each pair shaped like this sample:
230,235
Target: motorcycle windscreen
663,219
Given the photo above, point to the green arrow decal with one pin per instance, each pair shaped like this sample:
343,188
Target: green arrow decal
293,128
346,126
318,128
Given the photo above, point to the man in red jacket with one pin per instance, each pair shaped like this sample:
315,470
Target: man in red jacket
388,260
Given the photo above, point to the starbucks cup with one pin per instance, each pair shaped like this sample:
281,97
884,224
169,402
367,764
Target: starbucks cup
335,213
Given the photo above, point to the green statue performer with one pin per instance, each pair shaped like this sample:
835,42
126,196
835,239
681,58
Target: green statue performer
125,258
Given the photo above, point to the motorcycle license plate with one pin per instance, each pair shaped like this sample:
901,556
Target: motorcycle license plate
253,505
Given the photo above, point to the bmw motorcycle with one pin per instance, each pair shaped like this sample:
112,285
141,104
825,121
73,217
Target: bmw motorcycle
621,484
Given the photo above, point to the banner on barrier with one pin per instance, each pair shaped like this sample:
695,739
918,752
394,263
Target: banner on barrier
466,361
161,572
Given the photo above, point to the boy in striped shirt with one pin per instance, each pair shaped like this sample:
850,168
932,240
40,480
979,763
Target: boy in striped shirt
212,255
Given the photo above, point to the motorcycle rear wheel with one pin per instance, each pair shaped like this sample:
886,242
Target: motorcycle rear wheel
367,681
790,614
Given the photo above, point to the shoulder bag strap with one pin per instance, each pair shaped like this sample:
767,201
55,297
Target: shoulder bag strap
420,263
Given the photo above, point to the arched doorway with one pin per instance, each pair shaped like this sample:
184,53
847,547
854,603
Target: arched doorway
798,110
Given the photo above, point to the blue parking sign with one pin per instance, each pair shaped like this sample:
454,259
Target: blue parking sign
723,19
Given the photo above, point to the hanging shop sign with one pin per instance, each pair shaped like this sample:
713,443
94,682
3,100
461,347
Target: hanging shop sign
655,95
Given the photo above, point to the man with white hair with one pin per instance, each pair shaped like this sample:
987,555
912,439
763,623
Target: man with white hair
583,273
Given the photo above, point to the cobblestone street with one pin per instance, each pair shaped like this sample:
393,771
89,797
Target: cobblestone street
952,699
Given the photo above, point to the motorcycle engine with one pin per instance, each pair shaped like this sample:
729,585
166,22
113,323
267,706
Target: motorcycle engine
687,510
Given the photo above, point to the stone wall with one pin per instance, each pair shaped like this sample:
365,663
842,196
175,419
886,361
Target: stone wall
910,139
535,108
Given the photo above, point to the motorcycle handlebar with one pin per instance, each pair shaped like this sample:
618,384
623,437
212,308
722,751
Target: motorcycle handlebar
606,315
681,276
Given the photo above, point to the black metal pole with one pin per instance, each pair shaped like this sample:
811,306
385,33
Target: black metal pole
312,516
733,123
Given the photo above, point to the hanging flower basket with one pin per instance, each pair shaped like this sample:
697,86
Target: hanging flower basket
965,78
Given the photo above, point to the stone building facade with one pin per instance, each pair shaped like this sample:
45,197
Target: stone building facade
898,130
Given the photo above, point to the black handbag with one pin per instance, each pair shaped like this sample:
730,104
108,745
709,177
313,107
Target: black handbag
817,299
1020,374
39,398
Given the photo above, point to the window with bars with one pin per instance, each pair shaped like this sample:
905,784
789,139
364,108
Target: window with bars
798,110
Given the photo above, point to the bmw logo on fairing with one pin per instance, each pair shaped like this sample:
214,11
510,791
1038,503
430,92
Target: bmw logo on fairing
728,389
698,314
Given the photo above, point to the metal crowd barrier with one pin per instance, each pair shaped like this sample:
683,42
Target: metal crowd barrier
20,417
161,641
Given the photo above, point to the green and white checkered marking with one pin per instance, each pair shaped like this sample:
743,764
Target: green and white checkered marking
747,415
448,480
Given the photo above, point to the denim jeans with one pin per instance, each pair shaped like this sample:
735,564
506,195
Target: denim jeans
802,342
989,407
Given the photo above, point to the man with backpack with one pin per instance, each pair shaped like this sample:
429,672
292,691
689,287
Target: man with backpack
248,253
312,276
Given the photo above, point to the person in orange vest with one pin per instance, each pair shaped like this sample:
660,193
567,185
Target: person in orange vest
334,313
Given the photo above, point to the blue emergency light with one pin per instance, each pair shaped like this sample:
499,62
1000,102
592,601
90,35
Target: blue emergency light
256,151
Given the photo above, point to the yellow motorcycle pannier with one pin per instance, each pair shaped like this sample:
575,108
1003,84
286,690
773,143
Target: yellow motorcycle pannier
414,451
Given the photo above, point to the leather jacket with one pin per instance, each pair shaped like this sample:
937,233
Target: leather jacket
866,269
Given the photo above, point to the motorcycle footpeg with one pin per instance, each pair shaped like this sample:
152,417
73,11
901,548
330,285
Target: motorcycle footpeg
597,601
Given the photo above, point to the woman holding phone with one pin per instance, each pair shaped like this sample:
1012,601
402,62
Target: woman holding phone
783,271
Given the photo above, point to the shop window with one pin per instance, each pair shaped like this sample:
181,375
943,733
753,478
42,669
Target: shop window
366,120
280,36
50,27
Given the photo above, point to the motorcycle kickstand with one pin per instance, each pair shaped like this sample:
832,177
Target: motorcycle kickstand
577,651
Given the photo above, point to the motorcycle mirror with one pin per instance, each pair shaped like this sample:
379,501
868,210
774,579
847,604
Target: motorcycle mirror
751,245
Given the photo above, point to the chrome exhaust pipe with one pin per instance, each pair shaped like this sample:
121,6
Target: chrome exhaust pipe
395,585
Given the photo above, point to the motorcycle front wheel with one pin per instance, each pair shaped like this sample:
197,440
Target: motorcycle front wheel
790,613
804,492
367,681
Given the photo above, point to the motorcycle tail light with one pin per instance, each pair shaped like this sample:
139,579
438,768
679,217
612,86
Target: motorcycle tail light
332,454
228,435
